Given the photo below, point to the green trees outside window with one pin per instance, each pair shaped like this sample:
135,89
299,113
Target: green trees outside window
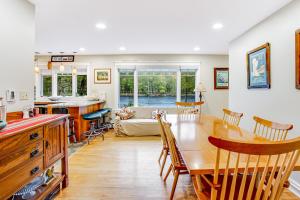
47,85
126,88
81,85
64,84
188,80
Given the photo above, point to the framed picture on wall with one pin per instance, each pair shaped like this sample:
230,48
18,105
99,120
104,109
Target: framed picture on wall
102,76
297,58
221,78
258,67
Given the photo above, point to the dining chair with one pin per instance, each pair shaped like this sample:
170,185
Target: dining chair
275,161
231,117
177,164
188,109
271,130
165,147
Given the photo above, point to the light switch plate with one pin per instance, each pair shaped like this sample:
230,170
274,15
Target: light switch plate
24,95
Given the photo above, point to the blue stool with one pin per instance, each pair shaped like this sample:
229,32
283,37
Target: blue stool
107,113
94,130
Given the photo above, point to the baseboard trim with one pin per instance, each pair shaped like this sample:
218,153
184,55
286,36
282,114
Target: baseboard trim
294,187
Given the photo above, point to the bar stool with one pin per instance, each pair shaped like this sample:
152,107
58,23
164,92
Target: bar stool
96,127
107,114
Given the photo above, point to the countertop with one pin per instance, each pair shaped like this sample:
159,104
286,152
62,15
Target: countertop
65,104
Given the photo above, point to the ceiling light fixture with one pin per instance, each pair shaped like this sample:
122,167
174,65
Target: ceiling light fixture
74,71
101,26
196,48
122,48
218,26
81,49
61,68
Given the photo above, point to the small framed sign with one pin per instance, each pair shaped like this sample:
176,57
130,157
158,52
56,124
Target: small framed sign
62,58
102,76
221,78
258,67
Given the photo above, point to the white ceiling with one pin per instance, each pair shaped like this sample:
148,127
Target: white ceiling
146,26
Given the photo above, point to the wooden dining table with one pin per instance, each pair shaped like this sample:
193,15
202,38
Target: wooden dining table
191,134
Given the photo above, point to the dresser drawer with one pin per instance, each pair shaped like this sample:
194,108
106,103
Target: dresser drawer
17,159
20,177
11,144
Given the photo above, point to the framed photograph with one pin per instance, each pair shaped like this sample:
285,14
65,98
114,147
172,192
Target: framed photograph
102,76
258,67
297,59
62,58
221,77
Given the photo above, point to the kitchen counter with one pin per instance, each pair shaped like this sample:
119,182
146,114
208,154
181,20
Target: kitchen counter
76,109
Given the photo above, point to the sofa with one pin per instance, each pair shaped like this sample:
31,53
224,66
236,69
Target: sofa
142,124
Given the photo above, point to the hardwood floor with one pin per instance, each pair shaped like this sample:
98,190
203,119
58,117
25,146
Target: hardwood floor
124,168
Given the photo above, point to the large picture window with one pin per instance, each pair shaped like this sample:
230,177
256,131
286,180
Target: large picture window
47,85
64,84
157,87
81,85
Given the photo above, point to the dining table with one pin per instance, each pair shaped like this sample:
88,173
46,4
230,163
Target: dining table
191,133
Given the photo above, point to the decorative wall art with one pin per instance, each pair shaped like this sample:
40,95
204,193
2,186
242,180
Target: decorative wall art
297,59
258,67
221,78
102,76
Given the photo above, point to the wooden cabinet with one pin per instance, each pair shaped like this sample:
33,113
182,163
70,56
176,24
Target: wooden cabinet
53,142
27,152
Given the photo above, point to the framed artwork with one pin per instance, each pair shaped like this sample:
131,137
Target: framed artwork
298,59
62,58
102,76
221,78
258,67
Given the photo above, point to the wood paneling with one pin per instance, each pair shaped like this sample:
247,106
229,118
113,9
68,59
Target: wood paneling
14,116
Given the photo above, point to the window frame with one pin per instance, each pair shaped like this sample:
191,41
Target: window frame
55,74
140,67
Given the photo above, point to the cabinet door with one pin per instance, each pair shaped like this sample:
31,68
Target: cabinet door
54,142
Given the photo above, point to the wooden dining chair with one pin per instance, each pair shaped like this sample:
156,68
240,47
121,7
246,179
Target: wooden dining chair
275,161
271,130
177,164
188,109
231,117
165,147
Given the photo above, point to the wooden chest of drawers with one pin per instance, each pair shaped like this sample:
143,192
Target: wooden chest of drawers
28,152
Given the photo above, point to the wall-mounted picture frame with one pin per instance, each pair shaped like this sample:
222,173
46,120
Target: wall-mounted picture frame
102,76
63,58
221,78
258,67
297,42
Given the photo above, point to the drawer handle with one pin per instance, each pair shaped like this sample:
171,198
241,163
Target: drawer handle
34,136
34,170
34,153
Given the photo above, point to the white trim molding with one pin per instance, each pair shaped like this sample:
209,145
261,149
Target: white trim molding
294,187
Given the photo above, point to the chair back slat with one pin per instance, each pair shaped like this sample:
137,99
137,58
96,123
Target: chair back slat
162,131
231,117
188,109
174,153
266,168
271,130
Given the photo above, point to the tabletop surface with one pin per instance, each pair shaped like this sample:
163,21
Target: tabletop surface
191,134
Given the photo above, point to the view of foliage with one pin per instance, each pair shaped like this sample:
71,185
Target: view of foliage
81,85
47,85
156,87
64,84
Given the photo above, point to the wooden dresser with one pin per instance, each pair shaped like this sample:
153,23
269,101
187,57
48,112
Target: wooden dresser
27,148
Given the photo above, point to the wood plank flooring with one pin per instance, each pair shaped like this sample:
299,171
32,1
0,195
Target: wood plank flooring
124,168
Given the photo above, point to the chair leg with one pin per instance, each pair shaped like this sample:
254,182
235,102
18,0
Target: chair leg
169,170
161,154
176,175
164,162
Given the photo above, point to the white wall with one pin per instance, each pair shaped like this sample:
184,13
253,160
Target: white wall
17,47
216,99
281,102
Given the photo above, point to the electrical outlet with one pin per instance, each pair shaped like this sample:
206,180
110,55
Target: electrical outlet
24,95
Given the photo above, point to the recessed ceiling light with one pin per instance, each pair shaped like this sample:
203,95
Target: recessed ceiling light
196,48
122,48
82,49
218,26
101,26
